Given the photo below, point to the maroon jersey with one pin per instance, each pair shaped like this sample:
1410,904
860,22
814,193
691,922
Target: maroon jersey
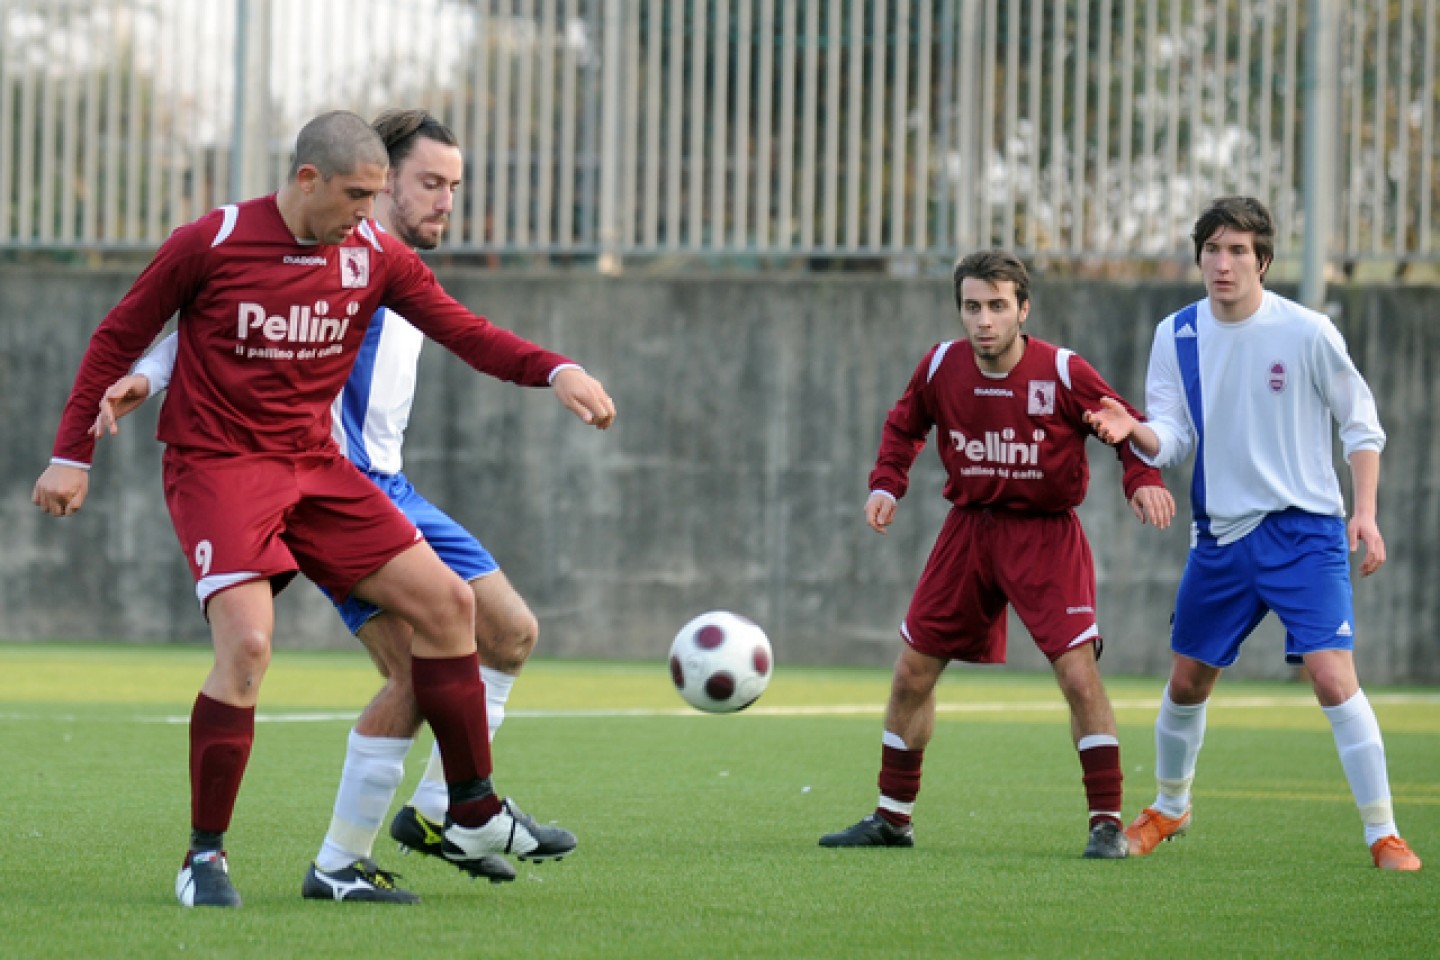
269,329
1015,442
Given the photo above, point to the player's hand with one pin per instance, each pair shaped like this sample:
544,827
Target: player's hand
584,396
1112,423
124,395
1365,530
880,512
1153,505
61,489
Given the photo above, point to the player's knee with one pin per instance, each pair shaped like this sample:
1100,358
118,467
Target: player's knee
246,649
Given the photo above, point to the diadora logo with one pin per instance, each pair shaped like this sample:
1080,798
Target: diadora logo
994,392
303,261
298,326
999,448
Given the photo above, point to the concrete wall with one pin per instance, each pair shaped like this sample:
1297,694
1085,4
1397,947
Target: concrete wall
750,412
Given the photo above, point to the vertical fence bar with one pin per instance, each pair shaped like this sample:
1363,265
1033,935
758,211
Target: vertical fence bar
95,40
1032,235
855,112
876,191
765,90
1010,136
1402,130
1320,93
1267,91
628,156
1242,100
1100,203
590,130
697,123
829,197
1354,184
550,35
922,134
810,107
946,111
1428,144
785,196
1057,129
1124,206
526,40
675,137
987,149
1380,122
719,113
612,27
970,45
1217,98
8,181
899,99
70,129
1287,174
739,208
49,134
654,71
1078,126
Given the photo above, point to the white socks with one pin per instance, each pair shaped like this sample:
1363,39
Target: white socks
1179,734
432,795
374,767
1362,754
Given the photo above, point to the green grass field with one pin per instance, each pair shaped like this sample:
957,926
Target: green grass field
697,833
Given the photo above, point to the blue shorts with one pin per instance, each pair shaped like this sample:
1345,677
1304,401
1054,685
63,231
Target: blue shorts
1295,563
455,545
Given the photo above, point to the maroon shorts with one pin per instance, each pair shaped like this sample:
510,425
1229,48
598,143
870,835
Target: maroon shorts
984,559
256,516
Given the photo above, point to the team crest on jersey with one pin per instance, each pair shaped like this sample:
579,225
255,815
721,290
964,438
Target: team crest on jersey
1276,377
354,267
1041,394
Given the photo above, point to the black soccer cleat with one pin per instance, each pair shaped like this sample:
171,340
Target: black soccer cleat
551,842
204,880
363,881
1107,842
416,832
873,831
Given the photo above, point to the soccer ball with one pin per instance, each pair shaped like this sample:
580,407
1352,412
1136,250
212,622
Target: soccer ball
720,662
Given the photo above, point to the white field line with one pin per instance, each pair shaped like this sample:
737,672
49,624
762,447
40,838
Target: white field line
821,710
850,710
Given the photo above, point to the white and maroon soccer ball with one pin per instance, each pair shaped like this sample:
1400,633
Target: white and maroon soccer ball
721,662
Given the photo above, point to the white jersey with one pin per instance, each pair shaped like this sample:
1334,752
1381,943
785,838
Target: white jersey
369,416
1254,401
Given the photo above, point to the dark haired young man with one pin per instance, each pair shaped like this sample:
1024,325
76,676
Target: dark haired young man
1009,411
1249,382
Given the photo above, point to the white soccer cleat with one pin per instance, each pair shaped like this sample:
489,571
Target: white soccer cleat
502,833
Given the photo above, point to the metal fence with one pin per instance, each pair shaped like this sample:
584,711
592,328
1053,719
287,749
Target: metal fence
741,129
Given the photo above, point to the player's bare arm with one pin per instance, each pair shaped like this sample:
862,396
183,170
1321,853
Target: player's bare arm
1114,424
122,397
1363,527
1153,505
61,489
584,396
880,511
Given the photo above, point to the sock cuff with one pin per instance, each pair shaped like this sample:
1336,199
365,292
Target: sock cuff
442,671
378,748
1092,740
894,740
223,716
1168,704
497,683
1357,706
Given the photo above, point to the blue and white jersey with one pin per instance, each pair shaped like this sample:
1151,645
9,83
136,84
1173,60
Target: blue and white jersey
369,416
1254,401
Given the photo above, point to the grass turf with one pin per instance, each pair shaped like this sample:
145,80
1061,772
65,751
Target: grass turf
697,833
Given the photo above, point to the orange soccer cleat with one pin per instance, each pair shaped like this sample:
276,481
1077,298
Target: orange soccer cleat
1392,853
1152,826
